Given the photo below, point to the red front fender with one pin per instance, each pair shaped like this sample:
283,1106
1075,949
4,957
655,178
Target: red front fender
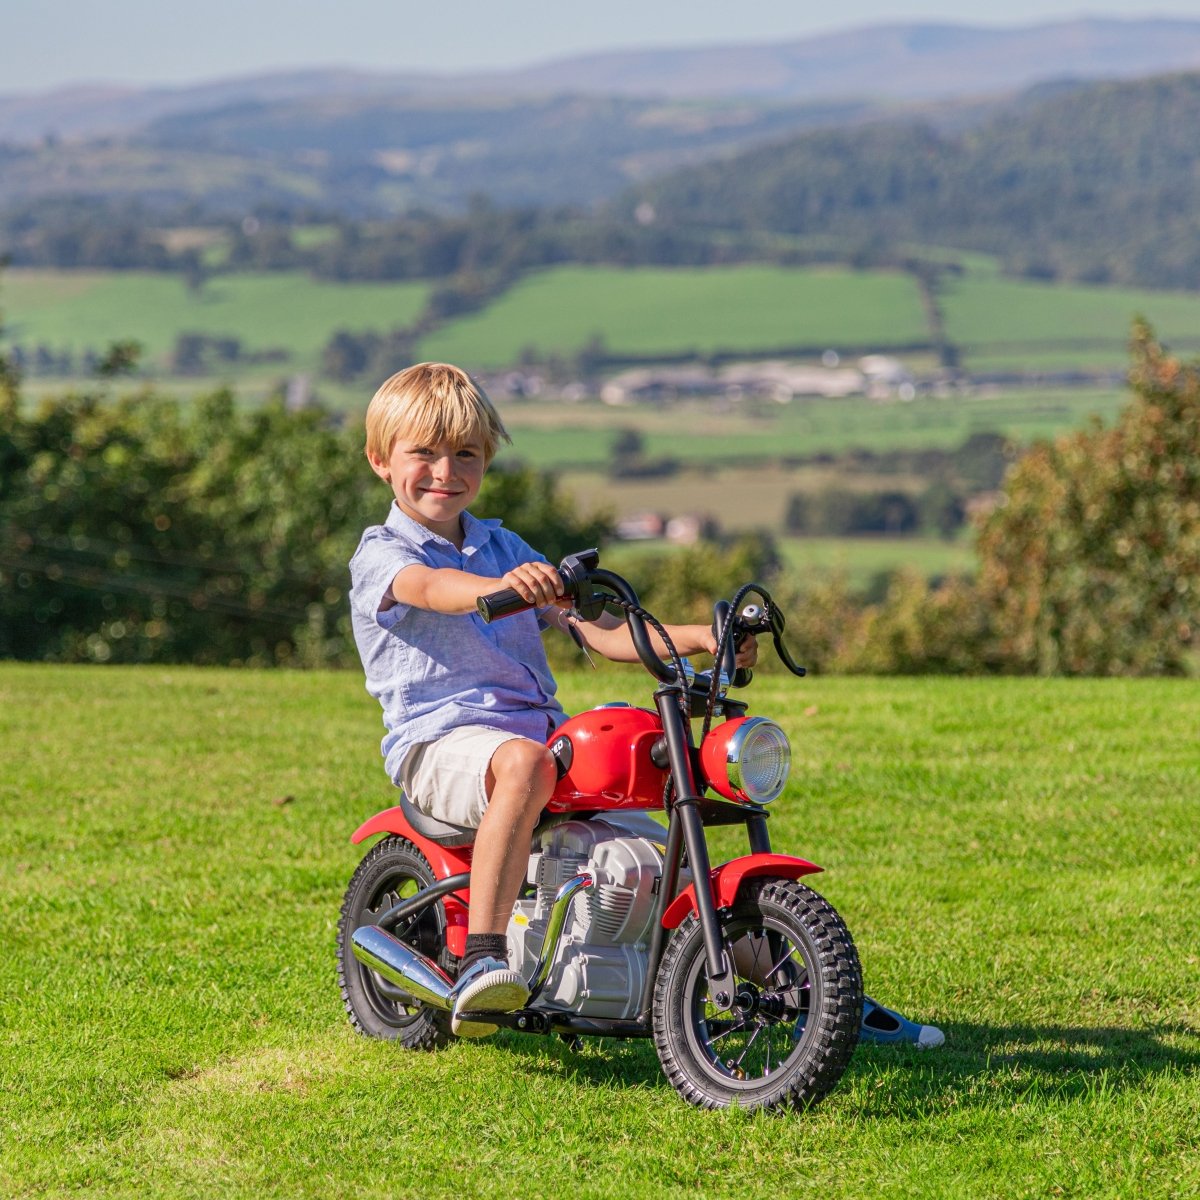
727,879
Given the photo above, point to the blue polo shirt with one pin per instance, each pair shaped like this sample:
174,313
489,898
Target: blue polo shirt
432,672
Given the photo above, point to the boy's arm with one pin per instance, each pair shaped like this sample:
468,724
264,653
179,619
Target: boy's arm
445,590
610,636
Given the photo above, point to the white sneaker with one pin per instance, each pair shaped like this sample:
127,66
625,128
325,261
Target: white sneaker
489,985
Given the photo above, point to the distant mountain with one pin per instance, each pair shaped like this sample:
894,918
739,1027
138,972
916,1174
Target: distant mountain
106,110
903,61
370,156
887,62
1101,183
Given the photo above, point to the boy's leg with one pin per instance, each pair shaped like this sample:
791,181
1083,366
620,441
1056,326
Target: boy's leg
520,779
500,783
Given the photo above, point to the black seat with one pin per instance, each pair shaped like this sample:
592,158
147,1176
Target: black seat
444,834
440,832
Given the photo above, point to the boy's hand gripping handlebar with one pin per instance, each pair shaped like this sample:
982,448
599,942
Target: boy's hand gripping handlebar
574,570
581,574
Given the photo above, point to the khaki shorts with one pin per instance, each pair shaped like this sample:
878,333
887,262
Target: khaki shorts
447,779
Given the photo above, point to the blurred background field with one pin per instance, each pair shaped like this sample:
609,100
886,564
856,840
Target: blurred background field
277,311
643,313
686,311
715,294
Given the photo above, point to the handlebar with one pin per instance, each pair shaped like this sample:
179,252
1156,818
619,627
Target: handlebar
576,571
507,602
582,574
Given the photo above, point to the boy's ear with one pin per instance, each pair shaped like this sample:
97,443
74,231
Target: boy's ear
379,466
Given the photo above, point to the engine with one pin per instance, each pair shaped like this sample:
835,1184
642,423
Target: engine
601,963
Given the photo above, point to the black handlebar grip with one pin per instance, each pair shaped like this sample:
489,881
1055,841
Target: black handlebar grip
504,603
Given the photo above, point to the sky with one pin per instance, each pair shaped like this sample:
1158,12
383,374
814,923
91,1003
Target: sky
52,43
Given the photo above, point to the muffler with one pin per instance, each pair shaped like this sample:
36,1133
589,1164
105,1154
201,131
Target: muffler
411,971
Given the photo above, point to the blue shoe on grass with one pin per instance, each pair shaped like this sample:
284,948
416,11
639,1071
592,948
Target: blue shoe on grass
487,985
884,1026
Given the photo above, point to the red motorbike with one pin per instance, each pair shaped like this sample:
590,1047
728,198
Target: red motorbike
747,980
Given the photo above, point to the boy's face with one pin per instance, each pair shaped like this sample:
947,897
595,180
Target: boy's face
433,484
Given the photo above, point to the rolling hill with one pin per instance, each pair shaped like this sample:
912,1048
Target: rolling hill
1100,184
899,61
573,130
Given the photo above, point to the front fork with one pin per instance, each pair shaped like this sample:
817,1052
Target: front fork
686,832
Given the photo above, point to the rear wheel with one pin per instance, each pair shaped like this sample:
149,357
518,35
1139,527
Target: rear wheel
793,1026
392,870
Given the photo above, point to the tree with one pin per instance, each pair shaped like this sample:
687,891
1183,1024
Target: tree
121,358
532,504
139,531
1091,563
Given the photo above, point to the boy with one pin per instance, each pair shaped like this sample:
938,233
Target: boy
468,706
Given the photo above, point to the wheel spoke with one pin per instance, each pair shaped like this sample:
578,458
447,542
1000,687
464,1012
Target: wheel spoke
753,1039
789,954
786,957
733,1028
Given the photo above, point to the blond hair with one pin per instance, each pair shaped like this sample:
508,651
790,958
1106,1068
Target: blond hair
431,403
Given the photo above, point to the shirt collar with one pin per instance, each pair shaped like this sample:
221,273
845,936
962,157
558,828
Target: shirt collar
476,531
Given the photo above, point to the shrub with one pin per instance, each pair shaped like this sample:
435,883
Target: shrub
1091,562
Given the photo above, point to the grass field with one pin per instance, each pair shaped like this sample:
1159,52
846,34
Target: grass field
735,468
645,311
1016,859
581,435
997,323
859,560
1000,322
283,310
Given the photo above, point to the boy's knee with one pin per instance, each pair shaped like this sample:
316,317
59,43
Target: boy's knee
526,762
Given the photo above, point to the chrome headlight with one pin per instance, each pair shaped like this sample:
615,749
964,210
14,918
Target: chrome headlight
747,759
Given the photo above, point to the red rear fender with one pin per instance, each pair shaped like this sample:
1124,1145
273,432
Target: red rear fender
727,880
445,861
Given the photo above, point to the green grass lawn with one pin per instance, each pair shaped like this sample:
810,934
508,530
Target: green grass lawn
1017,860
284,310
647,311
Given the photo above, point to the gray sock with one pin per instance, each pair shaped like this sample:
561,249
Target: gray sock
483,945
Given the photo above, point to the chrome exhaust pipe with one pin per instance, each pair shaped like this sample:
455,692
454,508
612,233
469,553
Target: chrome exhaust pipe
554,928
410,970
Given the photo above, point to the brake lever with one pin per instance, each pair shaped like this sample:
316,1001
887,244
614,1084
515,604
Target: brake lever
777,622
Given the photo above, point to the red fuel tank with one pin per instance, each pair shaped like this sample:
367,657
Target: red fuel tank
607,755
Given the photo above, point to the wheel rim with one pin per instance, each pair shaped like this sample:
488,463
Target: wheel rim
392,1006
767,1027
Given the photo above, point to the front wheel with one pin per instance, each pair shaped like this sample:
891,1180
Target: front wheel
798,996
